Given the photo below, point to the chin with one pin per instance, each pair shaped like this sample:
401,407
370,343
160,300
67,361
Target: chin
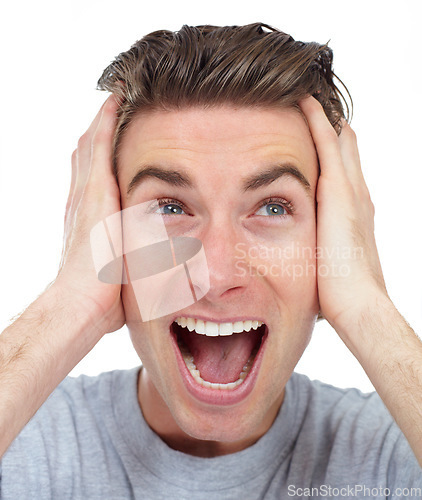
220,379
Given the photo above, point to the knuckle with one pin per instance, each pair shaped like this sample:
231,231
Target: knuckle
372,207
329,134
347,128
348,134
351,132
344,189
365,200
84,141
74,158
101,136
367,194
314,105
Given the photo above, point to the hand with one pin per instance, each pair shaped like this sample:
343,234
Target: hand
94,195
349,272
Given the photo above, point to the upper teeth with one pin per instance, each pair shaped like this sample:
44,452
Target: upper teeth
212,329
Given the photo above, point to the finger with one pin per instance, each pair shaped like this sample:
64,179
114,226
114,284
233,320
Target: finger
85,149
70,204
74,164
68,218
94,124
351,160
81,159
102,141
325,139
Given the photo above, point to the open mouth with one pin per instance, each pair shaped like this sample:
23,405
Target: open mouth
219,356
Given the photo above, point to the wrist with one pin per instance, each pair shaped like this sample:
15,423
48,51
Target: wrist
367,323
37,352
74,317
361,306
380,338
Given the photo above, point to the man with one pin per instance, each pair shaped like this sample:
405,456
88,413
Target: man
213,135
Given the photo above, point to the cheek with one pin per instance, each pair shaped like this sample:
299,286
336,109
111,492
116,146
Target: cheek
288,266
130,305
293,274
298,283
144,335
137,329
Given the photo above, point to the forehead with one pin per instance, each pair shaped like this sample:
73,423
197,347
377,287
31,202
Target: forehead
217,135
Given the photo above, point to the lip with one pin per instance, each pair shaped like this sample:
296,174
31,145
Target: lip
222,397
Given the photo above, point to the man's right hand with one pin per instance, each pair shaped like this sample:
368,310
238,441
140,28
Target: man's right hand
65,322
93,196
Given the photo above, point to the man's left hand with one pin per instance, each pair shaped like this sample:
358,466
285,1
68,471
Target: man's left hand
351,288
349,270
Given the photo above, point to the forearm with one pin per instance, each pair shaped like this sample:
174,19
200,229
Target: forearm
36,352
391,354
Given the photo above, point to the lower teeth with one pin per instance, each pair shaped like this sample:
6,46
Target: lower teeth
188,358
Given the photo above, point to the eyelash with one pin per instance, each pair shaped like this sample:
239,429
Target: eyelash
169,201
287,205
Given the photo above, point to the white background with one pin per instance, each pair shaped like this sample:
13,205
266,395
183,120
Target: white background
52,54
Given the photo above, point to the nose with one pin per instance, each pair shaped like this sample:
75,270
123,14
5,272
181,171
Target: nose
228,274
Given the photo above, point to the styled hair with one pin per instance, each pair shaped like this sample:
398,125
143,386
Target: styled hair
254,65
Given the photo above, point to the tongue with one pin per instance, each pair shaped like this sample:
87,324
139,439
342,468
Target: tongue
221,359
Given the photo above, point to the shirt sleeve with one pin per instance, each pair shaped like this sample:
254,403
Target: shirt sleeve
404,472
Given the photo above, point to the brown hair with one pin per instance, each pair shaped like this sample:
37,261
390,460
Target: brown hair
253,65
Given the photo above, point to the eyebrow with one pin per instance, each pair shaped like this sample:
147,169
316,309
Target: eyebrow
172,177
272,174
181,179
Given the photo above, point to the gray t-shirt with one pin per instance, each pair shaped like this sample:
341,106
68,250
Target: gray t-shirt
90,441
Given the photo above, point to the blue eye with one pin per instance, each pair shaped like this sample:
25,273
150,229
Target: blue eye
272,209
169,207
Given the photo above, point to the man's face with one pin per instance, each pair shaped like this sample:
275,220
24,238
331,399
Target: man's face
247,200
